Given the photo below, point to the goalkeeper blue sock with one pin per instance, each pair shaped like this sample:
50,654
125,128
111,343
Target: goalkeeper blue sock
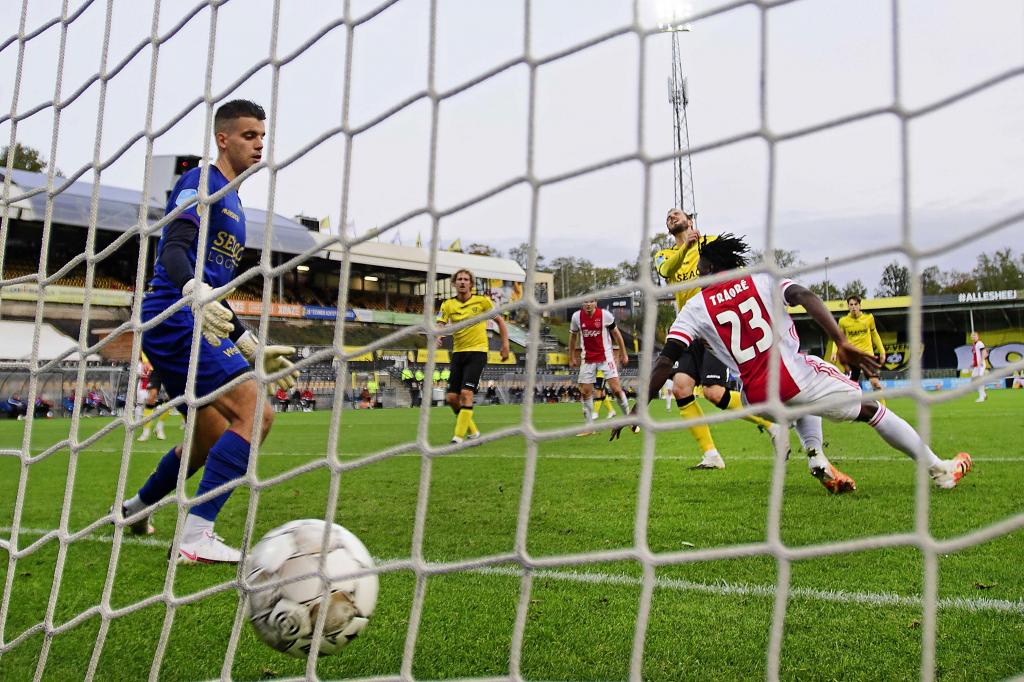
228,460
163,479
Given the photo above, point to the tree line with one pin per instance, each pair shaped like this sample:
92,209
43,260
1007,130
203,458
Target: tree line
992,272
574,276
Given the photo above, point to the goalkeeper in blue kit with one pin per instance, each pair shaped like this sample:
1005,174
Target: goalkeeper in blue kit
226,349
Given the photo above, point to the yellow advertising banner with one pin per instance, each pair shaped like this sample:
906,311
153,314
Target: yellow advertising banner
56,293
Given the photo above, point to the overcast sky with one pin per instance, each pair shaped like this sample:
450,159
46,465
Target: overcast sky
836,191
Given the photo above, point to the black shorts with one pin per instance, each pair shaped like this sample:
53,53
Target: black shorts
855,373
155,382
599,384
701,364
466,368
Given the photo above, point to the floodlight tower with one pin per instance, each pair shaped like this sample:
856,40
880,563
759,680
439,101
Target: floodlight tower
672,15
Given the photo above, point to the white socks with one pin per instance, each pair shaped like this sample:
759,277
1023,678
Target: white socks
588,409
624,402
133,505
808,428
902,436
194,528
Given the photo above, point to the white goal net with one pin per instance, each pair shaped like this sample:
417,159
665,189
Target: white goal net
378,114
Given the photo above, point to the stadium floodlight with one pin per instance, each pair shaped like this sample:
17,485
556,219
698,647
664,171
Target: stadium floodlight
370,278
671,15
303,268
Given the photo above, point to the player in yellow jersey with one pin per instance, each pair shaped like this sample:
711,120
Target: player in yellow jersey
469,350
698,366
860,329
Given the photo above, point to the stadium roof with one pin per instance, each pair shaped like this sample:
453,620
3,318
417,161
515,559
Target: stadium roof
417,259
118,211
52,343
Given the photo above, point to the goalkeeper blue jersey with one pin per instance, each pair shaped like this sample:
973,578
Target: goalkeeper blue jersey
225,241
168,343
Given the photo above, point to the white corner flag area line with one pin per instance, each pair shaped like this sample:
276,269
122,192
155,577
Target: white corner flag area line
719,589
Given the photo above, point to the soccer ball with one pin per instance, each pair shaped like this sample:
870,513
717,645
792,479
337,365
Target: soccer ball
284,615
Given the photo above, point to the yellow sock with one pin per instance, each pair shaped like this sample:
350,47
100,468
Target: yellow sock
608,403
462,422
163,417
701,433
472,425
736,402
147,411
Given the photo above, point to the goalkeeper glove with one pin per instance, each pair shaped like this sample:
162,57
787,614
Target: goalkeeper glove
215,319
274,359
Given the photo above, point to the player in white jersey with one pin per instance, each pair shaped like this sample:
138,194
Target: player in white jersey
979,354
596,327
735,318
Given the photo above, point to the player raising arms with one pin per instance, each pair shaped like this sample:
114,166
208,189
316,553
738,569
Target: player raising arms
597,328
861,331
736,318
697,366
469,350
226,349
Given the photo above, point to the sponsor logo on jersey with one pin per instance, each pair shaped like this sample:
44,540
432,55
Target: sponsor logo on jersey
231,214
231,350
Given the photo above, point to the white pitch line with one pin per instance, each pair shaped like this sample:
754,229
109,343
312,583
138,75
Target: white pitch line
718,589
476,454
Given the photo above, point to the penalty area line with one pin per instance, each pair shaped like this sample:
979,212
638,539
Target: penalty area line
722,589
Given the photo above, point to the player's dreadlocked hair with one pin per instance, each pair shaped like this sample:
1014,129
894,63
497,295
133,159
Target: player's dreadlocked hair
728,252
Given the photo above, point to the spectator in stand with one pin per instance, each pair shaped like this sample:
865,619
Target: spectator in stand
15,406
492,394
364,398
281,397
96,401
374,389
297,398
308,402
43,408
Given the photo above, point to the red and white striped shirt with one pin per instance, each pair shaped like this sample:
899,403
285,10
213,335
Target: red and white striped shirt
736,319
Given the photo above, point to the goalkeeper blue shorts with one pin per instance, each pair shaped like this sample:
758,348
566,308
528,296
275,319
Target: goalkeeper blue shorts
167,346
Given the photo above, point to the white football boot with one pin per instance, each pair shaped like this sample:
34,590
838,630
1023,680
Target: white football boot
208,549
711,460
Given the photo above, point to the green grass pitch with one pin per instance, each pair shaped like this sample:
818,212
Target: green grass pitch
854,615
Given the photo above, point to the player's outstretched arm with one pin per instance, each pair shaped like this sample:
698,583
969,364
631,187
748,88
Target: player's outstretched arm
659,375
503,330
848,354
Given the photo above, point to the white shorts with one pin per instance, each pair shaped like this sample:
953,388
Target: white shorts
588,371
840,397
977,371
140,396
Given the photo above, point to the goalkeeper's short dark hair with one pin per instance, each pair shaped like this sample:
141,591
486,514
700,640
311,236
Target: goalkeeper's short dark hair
728,252
237,108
